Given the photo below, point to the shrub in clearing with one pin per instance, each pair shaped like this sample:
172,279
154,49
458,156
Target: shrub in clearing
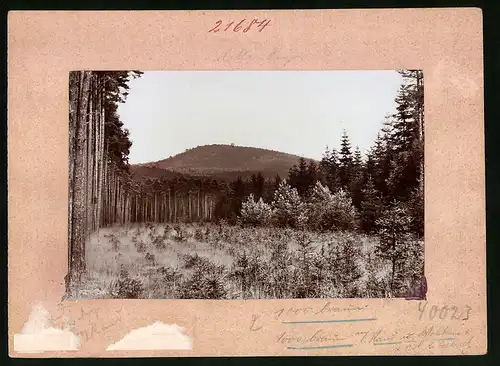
247,272
170,275
180,234
159,242
331,211
150,258
278,277
379,280
255,213
198,234
346,258
192,260
287,205
127,288
115,242
206,282
398,246
166,231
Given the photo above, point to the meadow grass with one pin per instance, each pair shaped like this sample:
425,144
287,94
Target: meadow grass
205,260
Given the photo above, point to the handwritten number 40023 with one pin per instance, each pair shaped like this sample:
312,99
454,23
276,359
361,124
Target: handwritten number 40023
444,312
240,26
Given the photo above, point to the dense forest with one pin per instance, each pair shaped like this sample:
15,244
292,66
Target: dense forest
379,192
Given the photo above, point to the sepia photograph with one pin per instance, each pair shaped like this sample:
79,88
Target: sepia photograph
246,184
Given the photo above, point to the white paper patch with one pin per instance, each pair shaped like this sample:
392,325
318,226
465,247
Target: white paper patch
39,335
158,336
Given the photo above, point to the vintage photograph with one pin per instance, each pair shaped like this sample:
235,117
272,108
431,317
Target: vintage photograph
246,184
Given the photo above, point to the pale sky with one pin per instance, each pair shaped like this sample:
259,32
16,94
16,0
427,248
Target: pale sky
296,112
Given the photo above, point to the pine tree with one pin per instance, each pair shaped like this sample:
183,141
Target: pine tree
416,209
277,182
345,259
329,167
356,184
294,176
357,160
303,178
394,231
371,207
287,205
345,161
382,168
253,183
255,212
312,175
405,137
259,186
331,211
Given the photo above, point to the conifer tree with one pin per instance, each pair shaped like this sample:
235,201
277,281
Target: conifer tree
287,205
238,193
394,231
345,161
356,183
371,207
293,176
259,186
276,183
329,167
312,175
381,158
302,176
253,183
405,137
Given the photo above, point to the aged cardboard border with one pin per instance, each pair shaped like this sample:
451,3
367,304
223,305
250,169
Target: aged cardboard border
44,46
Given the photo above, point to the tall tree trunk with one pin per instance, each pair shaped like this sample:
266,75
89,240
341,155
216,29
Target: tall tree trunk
189,205
175,206
95,194
198,205
102,157
79,228
74,97
88,160
169,205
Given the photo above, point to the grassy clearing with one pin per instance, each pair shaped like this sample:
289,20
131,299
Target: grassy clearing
208,261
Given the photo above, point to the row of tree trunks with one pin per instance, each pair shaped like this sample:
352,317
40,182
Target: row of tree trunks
101,192
126,206
87,164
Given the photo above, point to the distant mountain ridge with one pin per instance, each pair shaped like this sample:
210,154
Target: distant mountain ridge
221,161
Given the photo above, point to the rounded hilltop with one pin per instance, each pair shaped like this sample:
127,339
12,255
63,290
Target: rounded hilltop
223,159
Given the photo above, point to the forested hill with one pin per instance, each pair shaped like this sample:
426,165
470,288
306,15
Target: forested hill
221,161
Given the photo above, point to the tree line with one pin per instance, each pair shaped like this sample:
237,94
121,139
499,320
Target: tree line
392,170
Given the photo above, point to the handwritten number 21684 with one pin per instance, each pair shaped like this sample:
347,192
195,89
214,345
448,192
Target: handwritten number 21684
243,25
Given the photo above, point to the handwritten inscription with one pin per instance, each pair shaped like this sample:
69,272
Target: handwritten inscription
446,312
327,309
318,337
426,338
243,26
240,55
255,327
319,327
88,322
